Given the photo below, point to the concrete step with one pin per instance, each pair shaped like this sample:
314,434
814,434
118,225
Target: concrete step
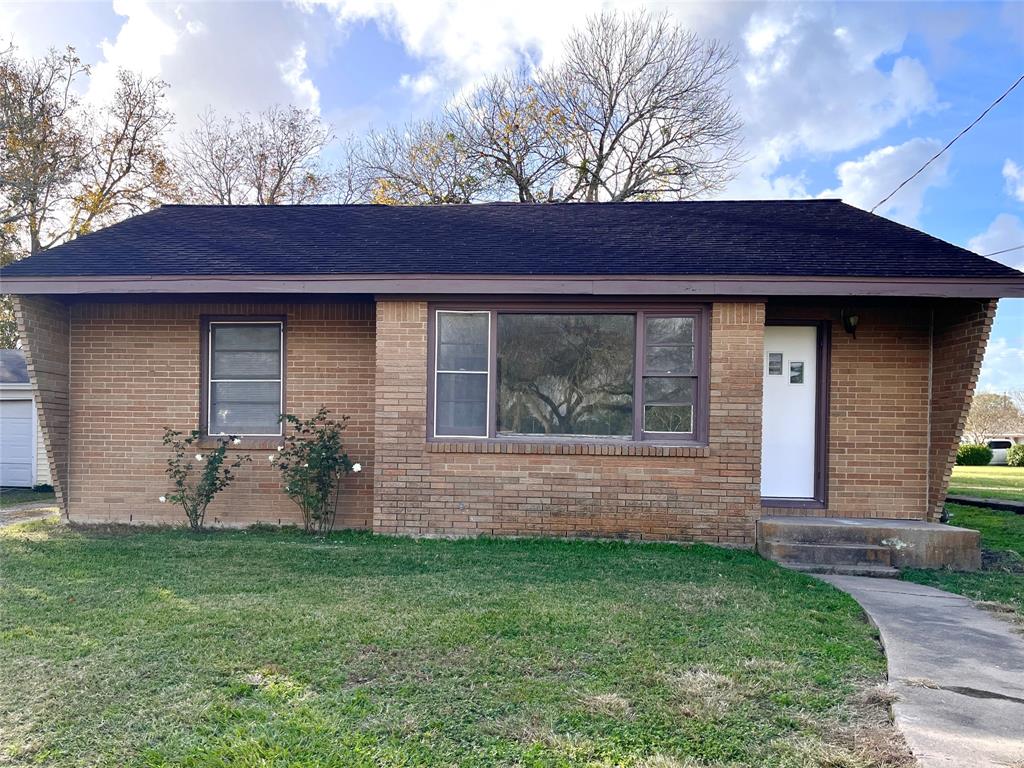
860,541
872,571
826,554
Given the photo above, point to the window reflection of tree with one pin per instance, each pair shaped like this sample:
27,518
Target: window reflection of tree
566,374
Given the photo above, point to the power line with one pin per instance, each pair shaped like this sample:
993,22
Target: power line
1005,250
938,154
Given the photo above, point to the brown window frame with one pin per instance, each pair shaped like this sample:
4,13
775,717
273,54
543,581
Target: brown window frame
205,323
641,311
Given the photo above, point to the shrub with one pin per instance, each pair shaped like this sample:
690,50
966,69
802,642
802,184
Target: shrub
1015,455
973,455
312,461
195,484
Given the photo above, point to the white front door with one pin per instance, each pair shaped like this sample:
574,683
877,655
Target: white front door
790,407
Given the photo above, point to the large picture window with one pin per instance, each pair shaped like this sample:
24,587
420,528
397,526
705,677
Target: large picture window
616,374
244,373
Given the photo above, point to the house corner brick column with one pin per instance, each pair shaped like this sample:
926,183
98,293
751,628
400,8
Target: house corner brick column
737,392
44,328
401,466
960,335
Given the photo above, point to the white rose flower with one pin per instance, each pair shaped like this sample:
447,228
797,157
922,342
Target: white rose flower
357,467
163,499
199,457
272,457
280,448
237,440
305,465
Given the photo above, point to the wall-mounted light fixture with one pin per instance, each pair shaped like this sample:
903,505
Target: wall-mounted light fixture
850,321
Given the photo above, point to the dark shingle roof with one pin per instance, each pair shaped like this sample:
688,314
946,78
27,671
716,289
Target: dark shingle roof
13,368
763,237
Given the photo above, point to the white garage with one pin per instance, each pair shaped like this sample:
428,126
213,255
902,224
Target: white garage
22,452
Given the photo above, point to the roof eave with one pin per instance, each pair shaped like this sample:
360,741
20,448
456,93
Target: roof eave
583,285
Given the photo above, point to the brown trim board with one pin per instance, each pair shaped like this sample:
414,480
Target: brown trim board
690,286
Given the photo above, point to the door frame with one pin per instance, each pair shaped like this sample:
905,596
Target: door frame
822,387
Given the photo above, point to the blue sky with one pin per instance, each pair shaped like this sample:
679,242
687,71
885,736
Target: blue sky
838,99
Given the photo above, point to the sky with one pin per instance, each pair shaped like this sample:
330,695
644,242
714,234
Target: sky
838,99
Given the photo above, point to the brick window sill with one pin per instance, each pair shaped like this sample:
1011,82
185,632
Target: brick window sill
246,444
568,449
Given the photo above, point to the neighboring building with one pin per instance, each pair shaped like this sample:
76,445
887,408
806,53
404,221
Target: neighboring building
657,371
22,451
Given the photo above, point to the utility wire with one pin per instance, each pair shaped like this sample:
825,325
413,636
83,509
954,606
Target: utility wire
1005,250
938,154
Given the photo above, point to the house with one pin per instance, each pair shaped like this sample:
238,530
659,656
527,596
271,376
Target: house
671,371
23,461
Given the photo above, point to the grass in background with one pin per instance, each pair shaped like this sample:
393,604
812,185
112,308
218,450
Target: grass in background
10,497
991,482
271,648
1002,542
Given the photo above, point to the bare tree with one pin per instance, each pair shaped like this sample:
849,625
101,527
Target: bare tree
45,146
272,158
67,169
509,124
424,164
992,415
127,170
280,150
645,110
637,109
208,163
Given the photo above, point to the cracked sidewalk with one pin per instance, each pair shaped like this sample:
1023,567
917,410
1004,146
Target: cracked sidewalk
958,672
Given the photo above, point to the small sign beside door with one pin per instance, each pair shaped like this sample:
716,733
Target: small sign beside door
796,372
774,363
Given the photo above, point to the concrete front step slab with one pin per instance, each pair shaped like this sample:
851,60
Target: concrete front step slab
912,543
827,554
871,571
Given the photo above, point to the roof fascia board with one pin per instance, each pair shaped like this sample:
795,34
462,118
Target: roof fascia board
598,285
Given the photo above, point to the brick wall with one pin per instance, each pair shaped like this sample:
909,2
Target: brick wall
43,328
136,368
960,336
709,494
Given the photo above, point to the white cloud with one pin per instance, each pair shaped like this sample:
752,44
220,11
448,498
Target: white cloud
1005,231
420,85
141,44
1003,367
231,56
295,76
1013,174
809,78
865,181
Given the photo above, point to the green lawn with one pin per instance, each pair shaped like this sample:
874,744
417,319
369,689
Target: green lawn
1002,540
268,648
10,497
988,482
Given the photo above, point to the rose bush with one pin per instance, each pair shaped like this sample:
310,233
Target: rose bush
197,481
312,461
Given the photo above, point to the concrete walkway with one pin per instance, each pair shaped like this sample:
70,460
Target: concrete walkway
957,669
23,513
